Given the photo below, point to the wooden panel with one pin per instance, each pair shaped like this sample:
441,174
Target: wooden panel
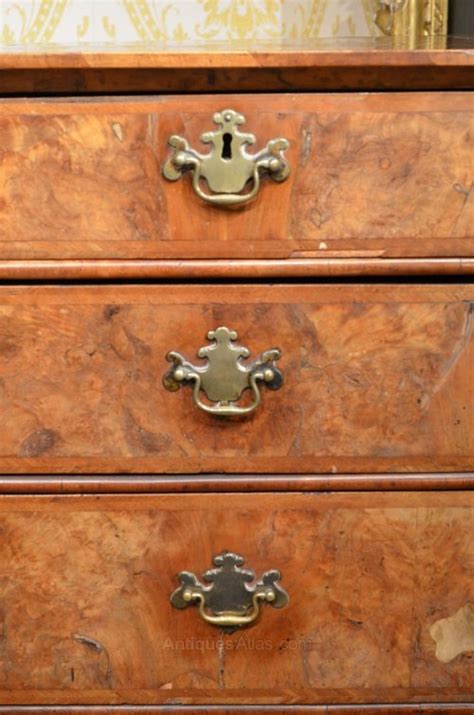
372,176
377,379
312,64
372,579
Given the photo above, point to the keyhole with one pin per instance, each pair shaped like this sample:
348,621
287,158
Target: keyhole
226,147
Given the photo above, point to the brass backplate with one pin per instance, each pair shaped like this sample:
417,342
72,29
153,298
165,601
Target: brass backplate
224,377
232,597
228,167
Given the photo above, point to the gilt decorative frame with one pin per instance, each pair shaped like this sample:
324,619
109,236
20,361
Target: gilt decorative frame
411,19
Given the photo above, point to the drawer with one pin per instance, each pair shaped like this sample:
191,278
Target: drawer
376,378
380,599
371,175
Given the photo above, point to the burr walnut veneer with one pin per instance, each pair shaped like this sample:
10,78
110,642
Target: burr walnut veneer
372,176
377,378
336,308
86,583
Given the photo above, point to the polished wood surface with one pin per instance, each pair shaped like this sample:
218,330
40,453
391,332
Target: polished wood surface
373,177
401,709
344,63
307,78
359,52
97,269
182,484
372,577
355,479
378,378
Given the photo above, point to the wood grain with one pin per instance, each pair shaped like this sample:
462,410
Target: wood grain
182,484
346,52
373,176
400,709
378,394
97,269
378,378
346,63
86,582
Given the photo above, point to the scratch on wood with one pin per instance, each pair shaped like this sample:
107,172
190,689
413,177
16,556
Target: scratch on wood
221,653
103,663
465,193
458,349
306,146
89,642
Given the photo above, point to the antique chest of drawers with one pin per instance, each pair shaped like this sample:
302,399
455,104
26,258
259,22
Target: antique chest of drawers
237,382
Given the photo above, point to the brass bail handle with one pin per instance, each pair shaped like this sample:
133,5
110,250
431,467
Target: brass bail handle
228,167
233,597
224,377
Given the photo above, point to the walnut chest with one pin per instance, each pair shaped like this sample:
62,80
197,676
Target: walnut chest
237,381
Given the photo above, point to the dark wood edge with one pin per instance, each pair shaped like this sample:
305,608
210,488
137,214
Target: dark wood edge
381,709
100,82
232,268
124,484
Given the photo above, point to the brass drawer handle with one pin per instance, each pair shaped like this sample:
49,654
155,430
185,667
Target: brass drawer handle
227,168
229,602
224,377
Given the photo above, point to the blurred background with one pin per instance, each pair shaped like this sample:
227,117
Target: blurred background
74,22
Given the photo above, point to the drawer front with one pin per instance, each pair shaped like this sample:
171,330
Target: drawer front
380,588
376,378
373,175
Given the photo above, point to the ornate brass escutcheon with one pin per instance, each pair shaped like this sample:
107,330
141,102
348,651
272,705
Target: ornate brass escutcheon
224,377
233,598
228,167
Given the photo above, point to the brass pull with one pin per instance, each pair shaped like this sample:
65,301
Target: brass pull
224,377
227,168
229,602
